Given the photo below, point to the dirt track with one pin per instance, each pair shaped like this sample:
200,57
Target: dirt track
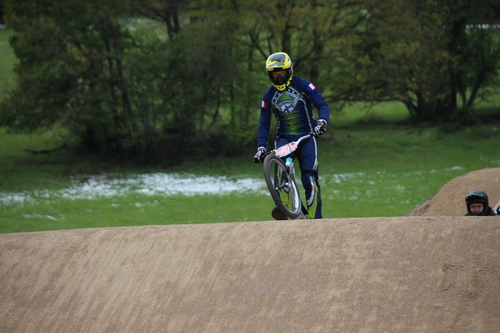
399,274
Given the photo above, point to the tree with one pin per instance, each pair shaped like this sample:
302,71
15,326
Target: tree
167,11
146,79
308,30
118,86
474,44
70,71
423,54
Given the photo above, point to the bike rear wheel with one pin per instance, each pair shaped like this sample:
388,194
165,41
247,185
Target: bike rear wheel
282,186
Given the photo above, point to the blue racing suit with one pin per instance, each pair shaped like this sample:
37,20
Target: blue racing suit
293,109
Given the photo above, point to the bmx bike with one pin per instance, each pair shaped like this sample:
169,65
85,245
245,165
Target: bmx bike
279,173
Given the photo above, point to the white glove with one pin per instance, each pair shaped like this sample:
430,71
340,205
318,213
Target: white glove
319,129
257,158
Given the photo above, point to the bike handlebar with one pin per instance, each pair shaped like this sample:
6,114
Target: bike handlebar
288,148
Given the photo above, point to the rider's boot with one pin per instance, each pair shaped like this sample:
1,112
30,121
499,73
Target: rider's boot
277,214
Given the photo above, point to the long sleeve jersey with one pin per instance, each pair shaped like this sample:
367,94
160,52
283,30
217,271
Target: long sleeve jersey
293,109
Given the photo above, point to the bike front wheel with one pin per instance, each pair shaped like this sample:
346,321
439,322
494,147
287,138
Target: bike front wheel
282,186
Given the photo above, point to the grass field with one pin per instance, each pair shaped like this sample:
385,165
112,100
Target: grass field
366,170
371,164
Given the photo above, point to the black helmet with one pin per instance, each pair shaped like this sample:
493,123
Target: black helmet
477,196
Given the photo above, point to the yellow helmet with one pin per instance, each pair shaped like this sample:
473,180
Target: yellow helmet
278,62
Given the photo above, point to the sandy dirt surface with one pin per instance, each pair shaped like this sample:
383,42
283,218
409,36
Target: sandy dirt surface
450,199
397,274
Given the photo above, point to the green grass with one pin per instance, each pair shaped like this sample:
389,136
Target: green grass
366,170
371,164
128,211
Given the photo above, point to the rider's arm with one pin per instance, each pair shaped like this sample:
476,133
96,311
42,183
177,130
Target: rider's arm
319,102
265,121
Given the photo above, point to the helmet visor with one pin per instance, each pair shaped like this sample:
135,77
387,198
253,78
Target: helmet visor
278,61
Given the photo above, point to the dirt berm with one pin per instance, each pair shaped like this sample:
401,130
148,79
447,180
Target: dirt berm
398,274
450,199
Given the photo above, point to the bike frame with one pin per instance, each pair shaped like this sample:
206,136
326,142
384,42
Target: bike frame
289,148
284,153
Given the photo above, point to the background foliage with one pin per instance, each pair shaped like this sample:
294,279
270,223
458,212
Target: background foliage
146,79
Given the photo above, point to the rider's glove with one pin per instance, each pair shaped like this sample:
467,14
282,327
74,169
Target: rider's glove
320,128
257,158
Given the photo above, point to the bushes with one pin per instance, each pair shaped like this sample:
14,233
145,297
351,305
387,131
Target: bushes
121,87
